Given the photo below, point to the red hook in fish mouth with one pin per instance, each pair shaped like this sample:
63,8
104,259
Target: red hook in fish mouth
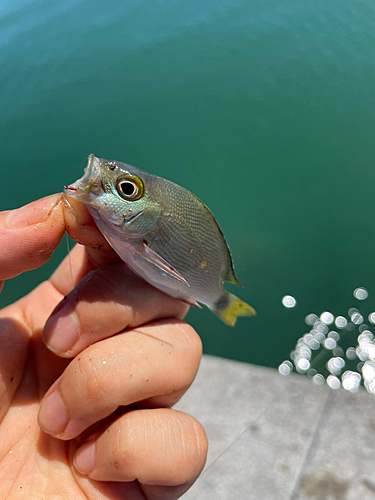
71,188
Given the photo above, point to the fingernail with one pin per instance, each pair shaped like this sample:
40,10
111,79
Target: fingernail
84,460
52,416
33,213
61,332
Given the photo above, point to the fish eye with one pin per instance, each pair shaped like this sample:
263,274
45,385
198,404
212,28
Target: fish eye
130,188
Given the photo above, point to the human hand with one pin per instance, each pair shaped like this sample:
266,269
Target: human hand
113,357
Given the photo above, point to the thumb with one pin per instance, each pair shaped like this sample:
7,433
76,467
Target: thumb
29,235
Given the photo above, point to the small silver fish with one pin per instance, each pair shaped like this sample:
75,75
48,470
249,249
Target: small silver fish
163,232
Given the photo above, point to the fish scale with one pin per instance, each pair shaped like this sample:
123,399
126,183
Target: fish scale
163,232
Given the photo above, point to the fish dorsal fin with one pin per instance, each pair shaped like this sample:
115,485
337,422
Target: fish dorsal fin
155,259
229,275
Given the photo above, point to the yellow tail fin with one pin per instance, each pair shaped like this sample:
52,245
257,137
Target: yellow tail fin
236,307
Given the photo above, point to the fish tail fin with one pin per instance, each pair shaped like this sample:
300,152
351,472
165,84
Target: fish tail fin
229,307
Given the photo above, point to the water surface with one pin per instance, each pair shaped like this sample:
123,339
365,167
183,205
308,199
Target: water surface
264,109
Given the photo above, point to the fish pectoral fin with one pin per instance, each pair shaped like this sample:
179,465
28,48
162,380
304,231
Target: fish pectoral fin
155,259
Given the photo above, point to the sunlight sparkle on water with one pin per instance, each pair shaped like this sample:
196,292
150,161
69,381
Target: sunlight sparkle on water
333,382
357,318
341,322
311,373
350,380
368,370
285,368
307,338
289,301
360,293
311,318
363,327
327,318
338,352
370,386
314,344
329,343
322,328
302,352
350,353
330,352
318,379
335,365
334,335
302,365
320,337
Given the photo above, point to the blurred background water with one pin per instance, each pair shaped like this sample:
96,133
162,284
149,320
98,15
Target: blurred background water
264,109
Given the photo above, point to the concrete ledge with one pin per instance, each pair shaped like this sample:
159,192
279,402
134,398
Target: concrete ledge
280,438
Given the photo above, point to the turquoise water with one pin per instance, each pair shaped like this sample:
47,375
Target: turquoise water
264,109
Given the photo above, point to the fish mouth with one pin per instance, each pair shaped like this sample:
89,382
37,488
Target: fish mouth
82,187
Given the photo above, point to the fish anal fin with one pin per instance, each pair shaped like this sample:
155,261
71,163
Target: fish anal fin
191,302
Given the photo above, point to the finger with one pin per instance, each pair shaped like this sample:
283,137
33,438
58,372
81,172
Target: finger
92,252
29,235
76,265
159,447
14,346
81,227
104,303
154,365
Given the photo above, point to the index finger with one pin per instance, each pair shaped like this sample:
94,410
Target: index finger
30,234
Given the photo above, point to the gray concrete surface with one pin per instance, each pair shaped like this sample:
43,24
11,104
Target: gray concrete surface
280,438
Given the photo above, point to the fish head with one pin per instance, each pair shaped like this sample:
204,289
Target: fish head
117,195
